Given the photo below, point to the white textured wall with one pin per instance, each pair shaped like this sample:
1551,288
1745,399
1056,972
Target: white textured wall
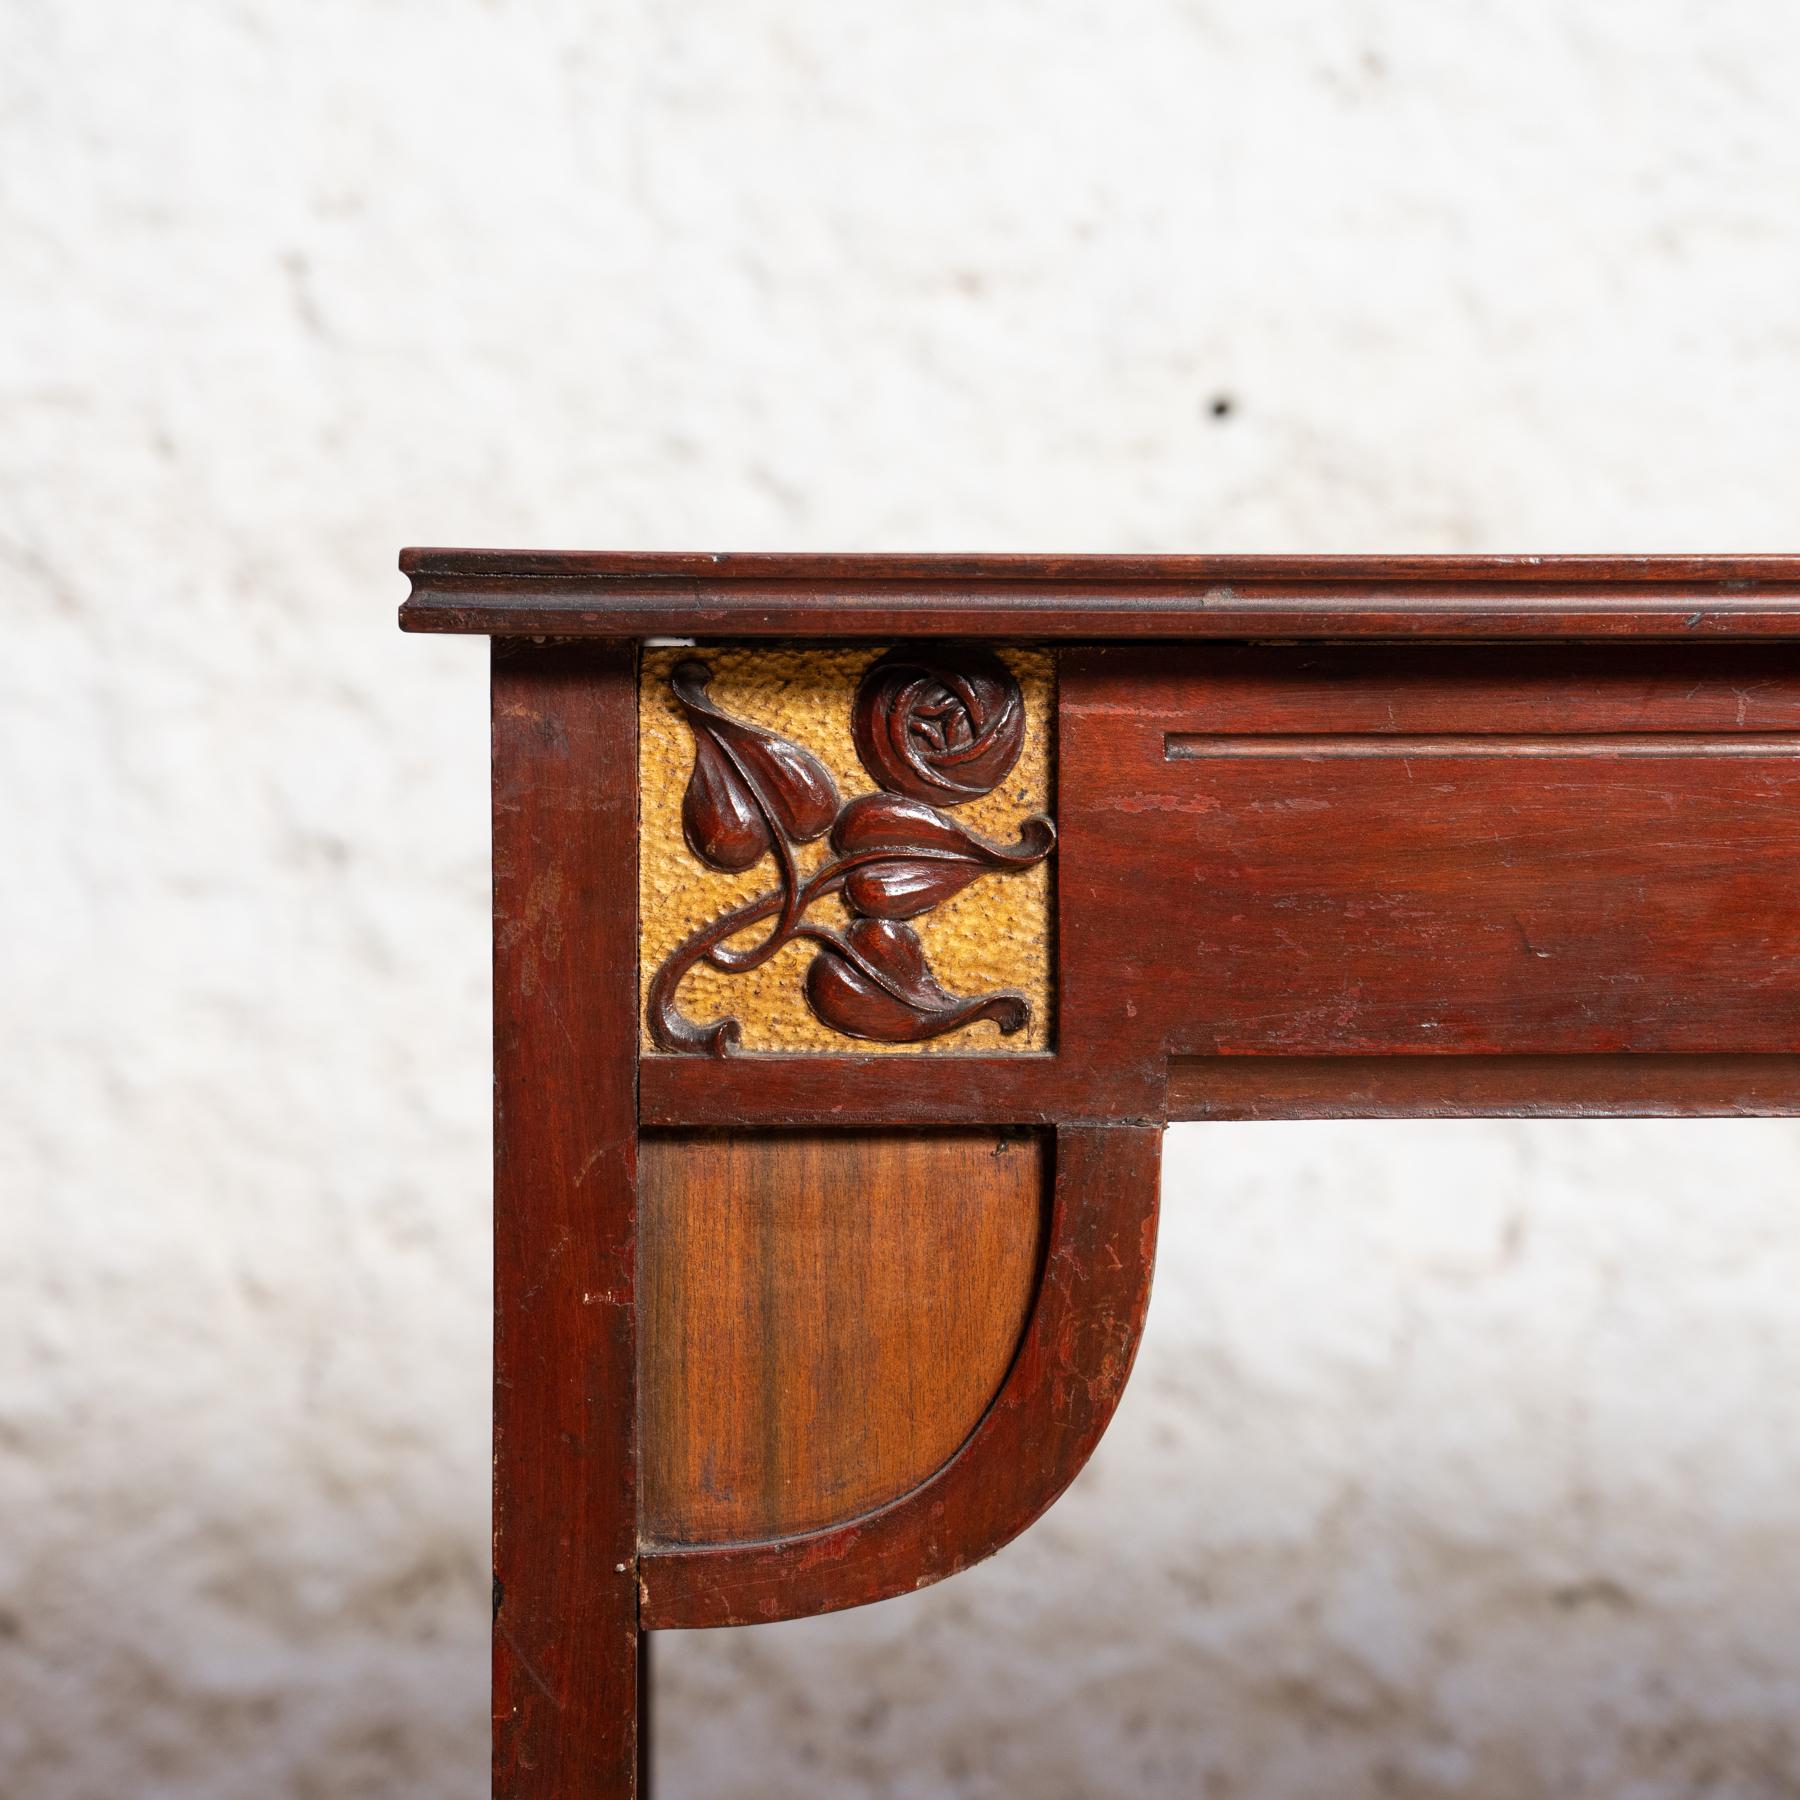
1460,1461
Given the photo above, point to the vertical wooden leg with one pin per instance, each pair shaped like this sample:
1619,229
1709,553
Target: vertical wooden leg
645,1695
566,1640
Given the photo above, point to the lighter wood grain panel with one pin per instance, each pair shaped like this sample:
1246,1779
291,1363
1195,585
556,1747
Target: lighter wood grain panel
824,1318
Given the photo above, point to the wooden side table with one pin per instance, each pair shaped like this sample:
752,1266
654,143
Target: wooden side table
860,921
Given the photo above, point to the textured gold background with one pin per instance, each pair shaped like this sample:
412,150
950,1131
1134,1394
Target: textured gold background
994,934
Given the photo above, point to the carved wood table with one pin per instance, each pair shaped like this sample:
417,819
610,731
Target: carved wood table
859,922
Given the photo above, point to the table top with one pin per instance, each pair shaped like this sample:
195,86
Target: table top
611,594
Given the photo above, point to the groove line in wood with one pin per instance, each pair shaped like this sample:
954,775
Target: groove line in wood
1196,746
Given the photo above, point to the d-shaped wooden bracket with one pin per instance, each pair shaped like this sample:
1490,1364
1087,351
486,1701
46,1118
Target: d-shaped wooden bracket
837,1017
1021,1450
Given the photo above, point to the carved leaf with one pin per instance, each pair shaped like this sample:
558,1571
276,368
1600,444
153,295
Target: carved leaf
744,776
874,983
719,818
917,856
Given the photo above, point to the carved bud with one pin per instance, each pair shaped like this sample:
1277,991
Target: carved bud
942,725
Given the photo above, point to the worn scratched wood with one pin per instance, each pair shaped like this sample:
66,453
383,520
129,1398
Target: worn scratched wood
1049,599
565,1000
865,1090
1486,1087
1434,852
1044,1424
1372,695
1040,1090
824,1318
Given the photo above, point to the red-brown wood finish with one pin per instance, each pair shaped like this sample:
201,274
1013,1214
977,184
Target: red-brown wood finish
853,1090
1035,1090
1308,852
1075,599
1334,837
1483,1087
822,1317
566,1649
1027,1447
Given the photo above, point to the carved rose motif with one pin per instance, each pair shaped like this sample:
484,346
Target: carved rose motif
949,721
942,726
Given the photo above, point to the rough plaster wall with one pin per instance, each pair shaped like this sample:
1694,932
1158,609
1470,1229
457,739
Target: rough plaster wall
1460,1461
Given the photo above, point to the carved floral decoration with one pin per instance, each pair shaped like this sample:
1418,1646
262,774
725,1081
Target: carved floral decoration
935,727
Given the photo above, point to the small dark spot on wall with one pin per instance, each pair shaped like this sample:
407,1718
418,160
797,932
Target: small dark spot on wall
1601,1591
1221,406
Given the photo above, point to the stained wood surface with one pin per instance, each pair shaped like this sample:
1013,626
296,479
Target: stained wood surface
825,1318
565,1185
853,1091
1432,852
1072,598
1058,1396
1099,571
1535,851
1368,695
1483,1087
867,1090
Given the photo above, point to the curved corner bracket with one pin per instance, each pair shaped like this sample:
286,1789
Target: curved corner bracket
1030,1444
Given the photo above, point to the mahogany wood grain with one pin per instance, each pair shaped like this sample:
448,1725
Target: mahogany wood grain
1401,879
565,1183
1074,599
1483,1087
1336,837
824,1318
877,1090
1057,1399
1361,692
852,1091
1606,574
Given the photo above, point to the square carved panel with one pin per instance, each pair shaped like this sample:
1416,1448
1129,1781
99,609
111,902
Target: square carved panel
845,850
